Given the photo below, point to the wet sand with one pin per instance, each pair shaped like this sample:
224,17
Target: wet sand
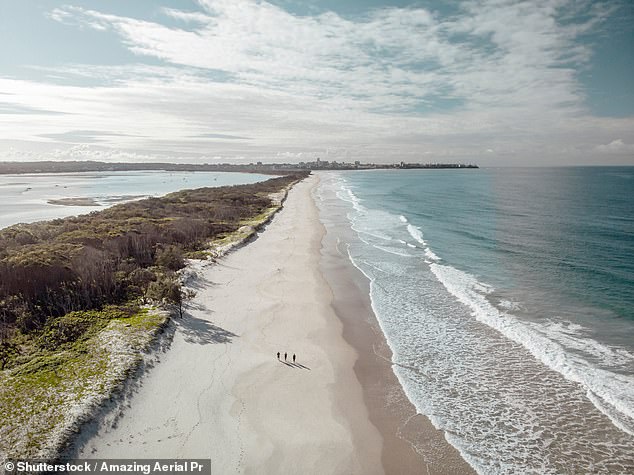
220,392
411,444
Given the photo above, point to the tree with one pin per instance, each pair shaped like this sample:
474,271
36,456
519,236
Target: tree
178,296
140,280
170,257
8,351
169,291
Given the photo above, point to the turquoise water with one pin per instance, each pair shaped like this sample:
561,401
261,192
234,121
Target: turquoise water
507,297
24,198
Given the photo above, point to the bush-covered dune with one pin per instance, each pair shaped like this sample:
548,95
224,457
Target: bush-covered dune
51,268
72,319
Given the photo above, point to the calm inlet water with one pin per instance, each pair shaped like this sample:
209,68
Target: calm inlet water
24,198
507,297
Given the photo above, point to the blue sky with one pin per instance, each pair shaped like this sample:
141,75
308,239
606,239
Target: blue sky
495,82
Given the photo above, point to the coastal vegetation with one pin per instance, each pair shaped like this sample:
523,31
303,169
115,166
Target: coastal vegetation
78,298
259,167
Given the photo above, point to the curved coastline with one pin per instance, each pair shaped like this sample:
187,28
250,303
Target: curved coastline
411,443
234,402
106,350
343,405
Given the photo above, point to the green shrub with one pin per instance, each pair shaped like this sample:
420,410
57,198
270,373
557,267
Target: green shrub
170,257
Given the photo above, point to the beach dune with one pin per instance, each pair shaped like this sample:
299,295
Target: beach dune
220,392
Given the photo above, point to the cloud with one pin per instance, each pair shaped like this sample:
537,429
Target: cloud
82,136
220,137
616,146
187,17
392,83
12,109
496,53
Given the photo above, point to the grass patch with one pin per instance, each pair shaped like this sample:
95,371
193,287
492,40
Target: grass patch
44,399
59,365
247,226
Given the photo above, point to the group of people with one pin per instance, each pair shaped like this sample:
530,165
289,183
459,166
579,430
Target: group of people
286,356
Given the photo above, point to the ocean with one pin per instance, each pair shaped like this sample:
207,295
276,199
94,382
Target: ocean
25,198
507,298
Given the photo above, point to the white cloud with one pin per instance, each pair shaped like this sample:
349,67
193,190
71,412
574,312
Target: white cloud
371,87
394,58
616,146
187,17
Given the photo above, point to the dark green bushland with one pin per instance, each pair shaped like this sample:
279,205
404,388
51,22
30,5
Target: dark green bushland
129,252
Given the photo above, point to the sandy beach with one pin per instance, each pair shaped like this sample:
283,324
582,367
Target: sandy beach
220,392
411,444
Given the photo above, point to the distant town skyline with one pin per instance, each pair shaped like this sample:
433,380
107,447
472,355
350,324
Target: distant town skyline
492,82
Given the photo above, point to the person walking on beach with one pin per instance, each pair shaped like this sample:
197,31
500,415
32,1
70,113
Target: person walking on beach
278,355
285,355
293,357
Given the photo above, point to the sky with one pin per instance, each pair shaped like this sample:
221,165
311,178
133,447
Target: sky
491,82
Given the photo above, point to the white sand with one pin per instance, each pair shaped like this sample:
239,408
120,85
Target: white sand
220,393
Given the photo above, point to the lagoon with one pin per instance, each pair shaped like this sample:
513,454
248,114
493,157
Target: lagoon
26,198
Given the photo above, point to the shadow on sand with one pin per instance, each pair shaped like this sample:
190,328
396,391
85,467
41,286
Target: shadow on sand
294,365
202,332
198,306
198,282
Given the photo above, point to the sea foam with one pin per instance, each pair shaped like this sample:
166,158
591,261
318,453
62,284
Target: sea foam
410,316
546,345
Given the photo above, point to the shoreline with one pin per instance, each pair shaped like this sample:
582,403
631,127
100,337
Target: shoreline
411,443
46,197
220,393
84,379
